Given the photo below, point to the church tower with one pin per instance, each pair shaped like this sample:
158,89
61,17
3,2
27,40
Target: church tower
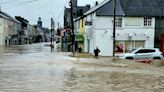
39,22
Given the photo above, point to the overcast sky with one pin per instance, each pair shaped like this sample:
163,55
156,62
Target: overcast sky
32,9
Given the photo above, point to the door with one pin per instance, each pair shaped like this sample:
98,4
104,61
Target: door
144,54
140,54
88,46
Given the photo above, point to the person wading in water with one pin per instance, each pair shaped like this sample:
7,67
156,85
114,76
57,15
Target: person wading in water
96,52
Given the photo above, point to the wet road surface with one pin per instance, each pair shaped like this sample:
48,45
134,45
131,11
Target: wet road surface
33,68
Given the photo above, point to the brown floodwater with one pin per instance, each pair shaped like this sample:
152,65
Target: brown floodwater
33,68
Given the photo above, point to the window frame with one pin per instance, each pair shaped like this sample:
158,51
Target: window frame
147,22
118,22
145,51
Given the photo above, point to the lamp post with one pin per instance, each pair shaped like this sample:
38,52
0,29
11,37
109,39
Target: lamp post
72,27
114,26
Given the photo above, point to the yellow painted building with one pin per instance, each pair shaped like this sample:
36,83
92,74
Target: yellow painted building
82,26
80,34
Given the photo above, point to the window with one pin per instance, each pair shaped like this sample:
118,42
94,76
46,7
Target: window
145,51
118,22
147,21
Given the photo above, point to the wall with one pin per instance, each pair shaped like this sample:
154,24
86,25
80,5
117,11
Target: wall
100,33
82,26
159,29
1,30
132,29
89,42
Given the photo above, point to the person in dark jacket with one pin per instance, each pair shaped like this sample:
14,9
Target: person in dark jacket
80,49
96,52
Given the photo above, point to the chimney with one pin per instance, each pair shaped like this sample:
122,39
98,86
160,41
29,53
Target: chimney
88,6
96,3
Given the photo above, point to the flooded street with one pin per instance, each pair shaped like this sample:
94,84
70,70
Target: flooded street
33,68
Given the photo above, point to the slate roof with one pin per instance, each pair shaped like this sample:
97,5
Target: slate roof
21,19
83,8
4,15
107,9
130,8
143,7
97,7
78,8
8,17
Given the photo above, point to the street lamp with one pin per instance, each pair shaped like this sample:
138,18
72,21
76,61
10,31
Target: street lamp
114,26
72,27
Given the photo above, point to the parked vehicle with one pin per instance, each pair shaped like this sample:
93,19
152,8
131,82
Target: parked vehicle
143,53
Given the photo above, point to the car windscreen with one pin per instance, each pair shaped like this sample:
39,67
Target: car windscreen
131,51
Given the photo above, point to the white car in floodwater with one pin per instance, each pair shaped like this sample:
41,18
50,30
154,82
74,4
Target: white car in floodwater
143,53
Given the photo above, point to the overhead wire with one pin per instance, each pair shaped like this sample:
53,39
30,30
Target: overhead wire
20,4
38,8
26,2
67,1
7,2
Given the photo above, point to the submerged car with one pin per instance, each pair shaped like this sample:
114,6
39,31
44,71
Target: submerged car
143,53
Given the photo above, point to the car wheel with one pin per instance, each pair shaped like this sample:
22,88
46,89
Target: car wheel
158,58
130,58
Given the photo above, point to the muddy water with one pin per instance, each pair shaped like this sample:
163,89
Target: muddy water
33,68
103,76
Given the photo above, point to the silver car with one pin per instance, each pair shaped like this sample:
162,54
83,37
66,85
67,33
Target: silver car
143,53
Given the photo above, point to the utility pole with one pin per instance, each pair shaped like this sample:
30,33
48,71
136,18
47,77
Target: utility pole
72,27
114,26
52,34
58,30
58,25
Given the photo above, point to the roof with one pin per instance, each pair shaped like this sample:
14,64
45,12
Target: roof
143,7
21,19
129,8
7,16
79,10
96,7
84,8
107,9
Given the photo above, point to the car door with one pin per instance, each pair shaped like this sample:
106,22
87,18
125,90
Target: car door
140,54
149,53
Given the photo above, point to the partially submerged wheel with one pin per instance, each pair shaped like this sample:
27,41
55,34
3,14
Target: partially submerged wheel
157,58
130,58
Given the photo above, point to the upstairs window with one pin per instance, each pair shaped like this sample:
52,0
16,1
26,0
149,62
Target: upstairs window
147,22
118,22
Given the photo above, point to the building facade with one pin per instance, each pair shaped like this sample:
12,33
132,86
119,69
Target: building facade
135,26
9,28
67,37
